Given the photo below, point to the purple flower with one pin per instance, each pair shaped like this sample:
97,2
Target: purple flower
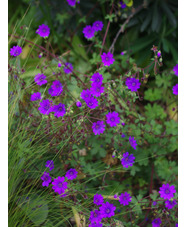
92,102
115,196
123,123
175,69
97,78
127,160
45,107
156,222
43,31
122,5
113,119
78,104
107,210
68,68
176,225
88,32
154,203
159,54
132,142
50,165
167,191
71,174
98,127
59,110
175,89
35,96
40,79
96,89
95,224
107,59
71,2
95,216
56,88
46,179
97,25
123,135
86,94
132,84
122,53
59,65
125,199
59,185
15,51
98,199
170,204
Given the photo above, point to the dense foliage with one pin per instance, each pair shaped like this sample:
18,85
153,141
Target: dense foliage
93,113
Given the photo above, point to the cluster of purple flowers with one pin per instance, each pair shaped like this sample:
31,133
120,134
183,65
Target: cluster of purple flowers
107,59
106,209
43,31
15,51
59,184
89,31
132,84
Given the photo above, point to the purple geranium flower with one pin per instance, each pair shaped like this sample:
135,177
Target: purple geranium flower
98,127
107,210
167,191
175,69
59,65
97,25
175,89
68,68
59,110
125,199
40,79
154,203
107,59
97,78
45,107
113,119
96,89
35,96
15,51
98,199
78,104
123,135
95,216
71,174
50,165
170,204
46,179
159,54
133,142
43,31
88,32
71,2
86,94
122,5
56,88
156,222
132,84
59,185
127,160
92,102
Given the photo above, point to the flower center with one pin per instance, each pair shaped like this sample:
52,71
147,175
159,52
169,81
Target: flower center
126,159
167,191
133,84
97,80
97,126
60,108
107,58
47,107
71,173
107,210
60,185
112,118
